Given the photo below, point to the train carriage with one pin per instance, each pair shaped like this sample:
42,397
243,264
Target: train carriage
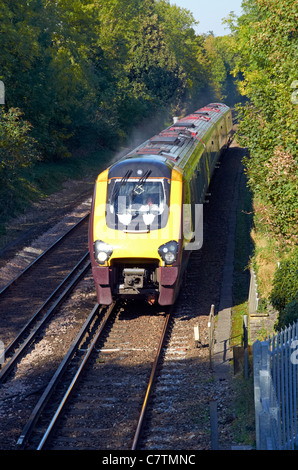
144,220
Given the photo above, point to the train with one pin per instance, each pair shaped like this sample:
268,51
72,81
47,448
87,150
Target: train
146,213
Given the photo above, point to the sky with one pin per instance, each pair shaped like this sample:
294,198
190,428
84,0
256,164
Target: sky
209,13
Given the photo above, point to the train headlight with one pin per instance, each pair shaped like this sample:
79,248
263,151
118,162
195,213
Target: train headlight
168,252
102,251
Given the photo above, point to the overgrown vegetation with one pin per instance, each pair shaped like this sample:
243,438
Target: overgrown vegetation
266,40
284,296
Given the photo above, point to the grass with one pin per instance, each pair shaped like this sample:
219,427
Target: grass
266,257
243,427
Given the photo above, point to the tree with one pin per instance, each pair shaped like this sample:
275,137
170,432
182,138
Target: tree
187,47
86,71
219,62
284,295
266,41
153,69
18,149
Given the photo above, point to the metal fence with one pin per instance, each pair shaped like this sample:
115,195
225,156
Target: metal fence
276,388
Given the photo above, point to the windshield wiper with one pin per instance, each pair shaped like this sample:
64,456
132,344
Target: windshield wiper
138,189
122,181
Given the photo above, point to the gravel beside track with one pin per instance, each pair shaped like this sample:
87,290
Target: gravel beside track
183,421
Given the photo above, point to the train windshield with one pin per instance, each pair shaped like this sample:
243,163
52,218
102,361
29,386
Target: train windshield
138,204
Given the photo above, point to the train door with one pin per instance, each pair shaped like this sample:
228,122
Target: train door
222,133
202,180
214,149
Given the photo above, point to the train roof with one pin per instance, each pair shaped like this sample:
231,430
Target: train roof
160,166
176,143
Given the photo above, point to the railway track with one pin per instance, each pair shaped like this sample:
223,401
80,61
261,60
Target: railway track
34,326
97,385
122,383
33,319
85,332
41,257
119,360
37,289
125,365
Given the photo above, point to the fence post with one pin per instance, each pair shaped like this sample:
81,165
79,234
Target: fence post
213,424
2,92
253,293
211,333
2,353
245,341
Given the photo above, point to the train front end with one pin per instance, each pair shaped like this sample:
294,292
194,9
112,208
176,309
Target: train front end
135,231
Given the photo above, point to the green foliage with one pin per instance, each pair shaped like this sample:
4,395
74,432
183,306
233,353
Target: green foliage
18,149
153,69
284,296
266,41
84,73
290,313
219,58
187,48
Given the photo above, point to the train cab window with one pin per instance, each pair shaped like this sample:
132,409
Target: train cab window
137,206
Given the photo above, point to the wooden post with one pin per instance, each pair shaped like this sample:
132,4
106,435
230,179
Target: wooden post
245,341
213,425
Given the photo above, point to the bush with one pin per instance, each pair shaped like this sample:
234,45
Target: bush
284,296
17,148
291,312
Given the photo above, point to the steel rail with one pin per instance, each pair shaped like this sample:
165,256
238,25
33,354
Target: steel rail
151,381
75,379
27,430
50,248
8,367
28,325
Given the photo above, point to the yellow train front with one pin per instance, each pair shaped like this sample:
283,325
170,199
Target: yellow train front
135,241
143,217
